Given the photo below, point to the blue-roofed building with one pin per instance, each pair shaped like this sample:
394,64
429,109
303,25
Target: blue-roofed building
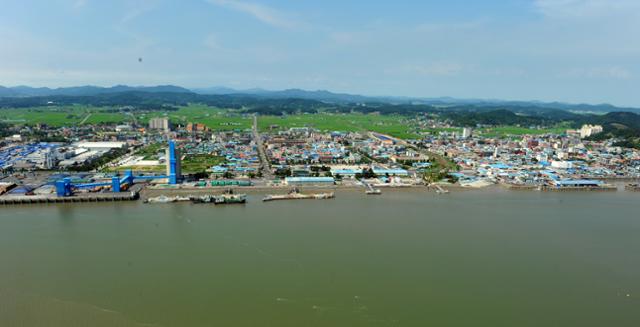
346,172
390,172
309,181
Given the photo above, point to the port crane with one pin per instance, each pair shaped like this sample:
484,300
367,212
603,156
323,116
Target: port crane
66,187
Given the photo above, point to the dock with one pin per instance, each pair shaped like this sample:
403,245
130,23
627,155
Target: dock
132,195
632,187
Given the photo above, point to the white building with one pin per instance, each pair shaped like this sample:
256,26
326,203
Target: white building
159,124
467,132
123,128
101,146
562,164
588,130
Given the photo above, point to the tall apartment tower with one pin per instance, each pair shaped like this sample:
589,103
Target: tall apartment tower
160,124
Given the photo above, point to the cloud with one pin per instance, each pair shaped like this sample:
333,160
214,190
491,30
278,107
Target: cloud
588,8
599,73
211,42
432,69
263,13
77,4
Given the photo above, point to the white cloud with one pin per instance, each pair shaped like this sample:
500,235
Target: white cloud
432,69
588,8
137,9
211,42
263,13
599,73
77,4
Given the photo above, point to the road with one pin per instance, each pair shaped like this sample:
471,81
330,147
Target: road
85,119
265,165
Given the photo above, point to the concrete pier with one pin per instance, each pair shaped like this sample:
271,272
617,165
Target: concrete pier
95,197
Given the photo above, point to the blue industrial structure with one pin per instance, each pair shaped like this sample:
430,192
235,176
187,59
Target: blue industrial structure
65,187
173,164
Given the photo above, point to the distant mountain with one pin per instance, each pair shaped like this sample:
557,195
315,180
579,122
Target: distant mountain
7,92
344,98
322,96
26,91
319,95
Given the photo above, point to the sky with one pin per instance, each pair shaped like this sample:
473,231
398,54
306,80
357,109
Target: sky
578,51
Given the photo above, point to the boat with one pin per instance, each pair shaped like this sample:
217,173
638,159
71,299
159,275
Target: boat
228,198
233,199
442,191
167,199
375,191
295,194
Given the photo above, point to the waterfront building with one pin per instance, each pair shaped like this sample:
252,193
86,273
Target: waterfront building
390,172
309,181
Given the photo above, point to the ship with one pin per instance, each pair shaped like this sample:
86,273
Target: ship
228,198
167,199
295,194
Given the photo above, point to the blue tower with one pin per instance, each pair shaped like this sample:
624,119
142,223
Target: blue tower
63,187
173,164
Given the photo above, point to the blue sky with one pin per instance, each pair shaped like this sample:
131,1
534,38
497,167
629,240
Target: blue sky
551,50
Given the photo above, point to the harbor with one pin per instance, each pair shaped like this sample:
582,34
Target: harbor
467,243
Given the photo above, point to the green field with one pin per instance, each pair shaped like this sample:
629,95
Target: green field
505,131
398,126
58,116
200,162
150,152
53,116
214,118
221,119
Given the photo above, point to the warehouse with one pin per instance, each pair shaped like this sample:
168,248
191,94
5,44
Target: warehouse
309,181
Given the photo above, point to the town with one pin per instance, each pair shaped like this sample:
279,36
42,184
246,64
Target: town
109,158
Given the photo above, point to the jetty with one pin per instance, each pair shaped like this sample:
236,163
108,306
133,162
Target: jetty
92,197
370,190
632,187
295,194
439,189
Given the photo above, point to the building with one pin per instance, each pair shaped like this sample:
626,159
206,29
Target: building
467,132
101,146
579,183
174,166
309,181
196,127
588,130
409,158
123,128
160,124
390,172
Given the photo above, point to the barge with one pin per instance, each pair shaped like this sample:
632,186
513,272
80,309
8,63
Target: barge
296,195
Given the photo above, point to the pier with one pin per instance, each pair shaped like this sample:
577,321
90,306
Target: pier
632,187
100,197
132,195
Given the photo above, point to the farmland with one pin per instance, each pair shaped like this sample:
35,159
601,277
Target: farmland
214,118
218,119
398,126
